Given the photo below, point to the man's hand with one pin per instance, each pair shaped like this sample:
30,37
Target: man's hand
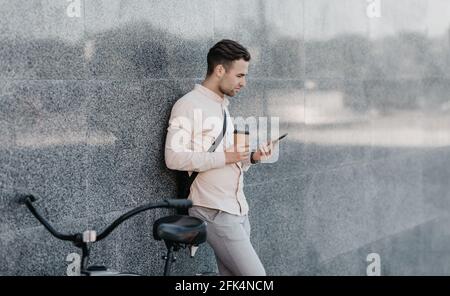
233,156
264,152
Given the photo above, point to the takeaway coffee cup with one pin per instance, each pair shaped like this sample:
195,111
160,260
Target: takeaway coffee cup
242,140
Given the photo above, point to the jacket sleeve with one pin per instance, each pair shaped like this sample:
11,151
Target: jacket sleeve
179,151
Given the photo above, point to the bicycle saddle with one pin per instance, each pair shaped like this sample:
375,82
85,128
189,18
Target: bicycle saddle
180,229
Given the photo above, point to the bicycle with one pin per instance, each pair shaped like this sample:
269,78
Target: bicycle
177,232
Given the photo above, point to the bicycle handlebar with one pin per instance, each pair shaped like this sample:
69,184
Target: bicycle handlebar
77,238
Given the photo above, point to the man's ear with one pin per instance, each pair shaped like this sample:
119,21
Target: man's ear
219,70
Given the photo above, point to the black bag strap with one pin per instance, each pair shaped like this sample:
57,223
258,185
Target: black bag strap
212,148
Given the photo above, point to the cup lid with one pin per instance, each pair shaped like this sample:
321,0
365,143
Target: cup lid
241,132
245,130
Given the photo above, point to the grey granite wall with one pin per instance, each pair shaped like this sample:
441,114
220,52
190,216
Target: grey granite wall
362,87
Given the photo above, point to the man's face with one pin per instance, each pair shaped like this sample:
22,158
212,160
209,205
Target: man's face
234,78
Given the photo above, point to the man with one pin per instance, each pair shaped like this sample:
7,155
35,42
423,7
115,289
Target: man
217,191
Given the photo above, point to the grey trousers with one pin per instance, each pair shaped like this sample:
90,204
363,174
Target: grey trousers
229,236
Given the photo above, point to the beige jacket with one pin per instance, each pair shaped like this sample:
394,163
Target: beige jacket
195,121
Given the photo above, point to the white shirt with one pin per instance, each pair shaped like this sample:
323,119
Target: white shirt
195,121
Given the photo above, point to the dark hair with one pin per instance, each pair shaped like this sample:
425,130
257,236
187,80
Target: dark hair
224,53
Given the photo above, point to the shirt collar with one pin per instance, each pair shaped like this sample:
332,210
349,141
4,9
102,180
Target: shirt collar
212,95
